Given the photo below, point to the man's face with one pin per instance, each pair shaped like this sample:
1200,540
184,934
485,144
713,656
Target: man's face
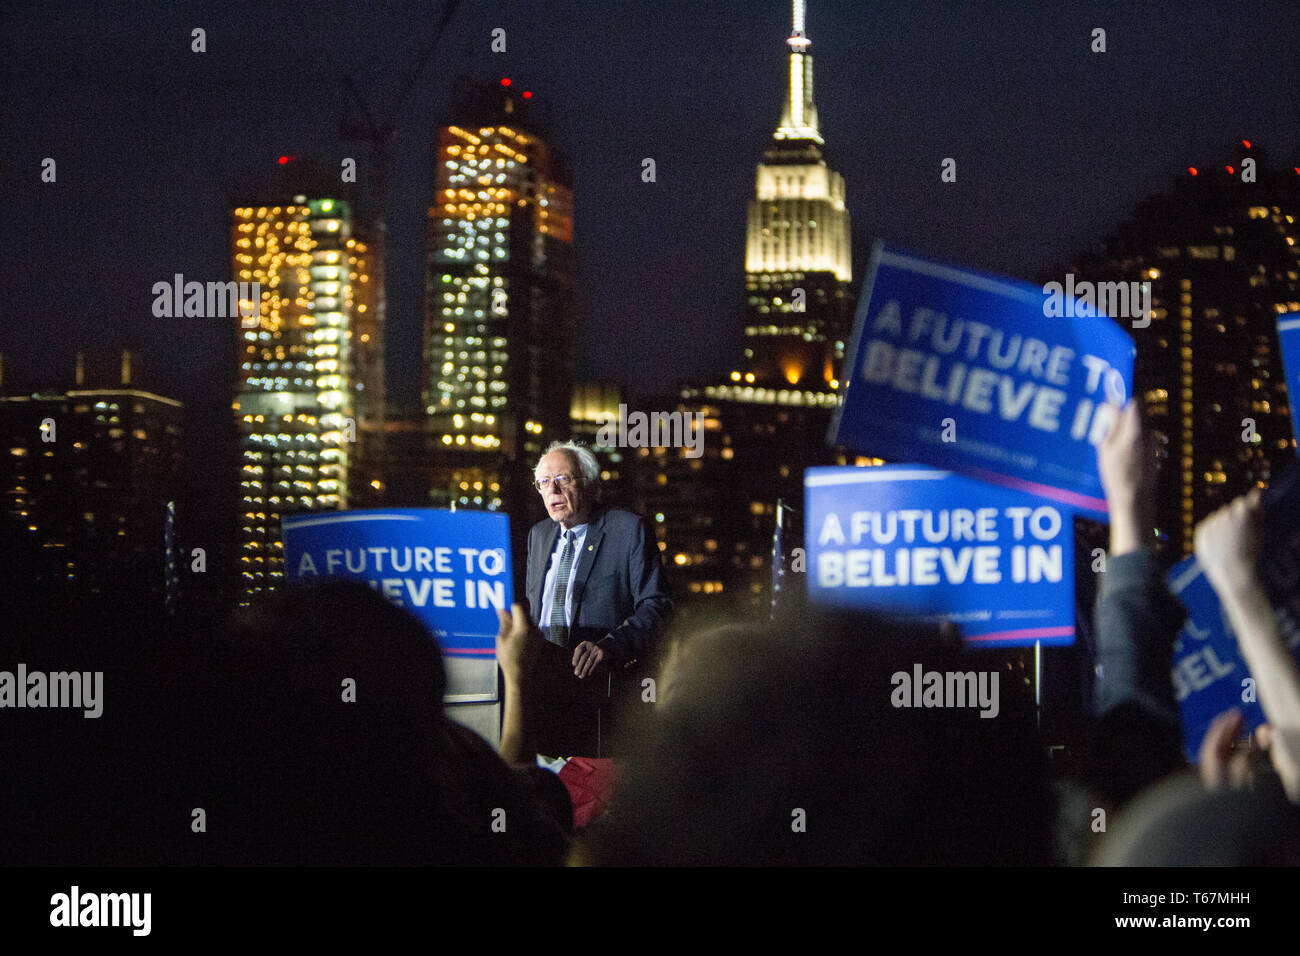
570,505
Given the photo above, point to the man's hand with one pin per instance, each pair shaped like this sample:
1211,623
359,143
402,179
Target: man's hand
518,643
1228,544
1126,463
586,656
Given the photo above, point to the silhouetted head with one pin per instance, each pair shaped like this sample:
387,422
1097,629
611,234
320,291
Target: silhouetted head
801,743
1178,822
329,745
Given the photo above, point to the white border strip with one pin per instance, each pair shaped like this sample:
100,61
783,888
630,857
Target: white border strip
949,274
873,474
295,522
1189,575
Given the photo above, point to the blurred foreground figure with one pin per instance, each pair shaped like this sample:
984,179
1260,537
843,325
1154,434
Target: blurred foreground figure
782,744
321,739
1178,822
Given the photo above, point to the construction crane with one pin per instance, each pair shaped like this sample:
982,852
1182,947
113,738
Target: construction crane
380,138
379,135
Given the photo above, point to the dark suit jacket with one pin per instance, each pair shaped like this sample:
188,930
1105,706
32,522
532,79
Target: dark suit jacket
619,589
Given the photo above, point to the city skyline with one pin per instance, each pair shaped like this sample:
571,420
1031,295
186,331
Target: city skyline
187,358
657,269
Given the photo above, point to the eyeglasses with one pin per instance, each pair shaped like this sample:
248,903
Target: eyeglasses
561,482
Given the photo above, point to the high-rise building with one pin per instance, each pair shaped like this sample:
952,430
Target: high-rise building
369,389
595,405
715,515
797,255
87,475
295,391
500,325
1220,253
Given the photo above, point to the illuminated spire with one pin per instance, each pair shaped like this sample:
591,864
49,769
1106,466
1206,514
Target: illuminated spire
799,118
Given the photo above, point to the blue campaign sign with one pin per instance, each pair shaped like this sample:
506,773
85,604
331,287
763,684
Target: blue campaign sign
450,569
1288,337
918,542
1208,669
984,376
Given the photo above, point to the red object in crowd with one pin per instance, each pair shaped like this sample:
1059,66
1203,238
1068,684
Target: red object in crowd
590,782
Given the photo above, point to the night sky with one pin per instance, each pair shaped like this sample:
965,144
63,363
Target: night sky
1054,144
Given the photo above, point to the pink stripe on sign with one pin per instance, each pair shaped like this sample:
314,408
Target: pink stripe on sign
1044,491
469,650
1029,633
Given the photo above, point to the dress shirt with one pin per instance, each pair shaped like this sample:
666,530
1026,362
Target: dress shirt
548,585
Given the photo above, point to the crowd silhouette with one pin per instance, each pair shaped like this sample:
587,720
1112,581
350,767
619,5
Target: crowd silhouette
309,728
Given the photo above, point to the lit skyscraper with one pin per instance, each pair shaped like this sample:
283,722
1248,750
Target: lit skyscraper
366,461
797,254
714,516
500,317
1222,260
86,477
294,396
595,404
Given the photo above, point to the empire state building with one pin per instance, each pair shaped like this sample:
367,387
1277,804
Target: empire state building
797,253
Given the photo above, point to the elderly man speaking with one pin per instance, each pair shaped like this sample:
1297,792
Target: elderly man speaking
595,583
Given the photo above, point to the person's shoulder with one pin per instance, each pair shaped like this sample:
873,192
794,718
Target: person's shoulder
620,519
541,526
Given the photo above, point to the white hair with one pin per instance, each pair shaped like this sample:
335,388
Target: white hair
587,463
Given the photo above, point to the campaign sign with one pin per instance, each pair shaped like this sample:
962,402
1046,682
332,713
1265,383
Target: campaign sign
982,375
1208,669
450,569
1288,337
918,542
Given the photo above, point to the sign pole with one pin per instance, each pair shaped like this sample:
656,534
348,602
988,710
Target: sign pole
1038,682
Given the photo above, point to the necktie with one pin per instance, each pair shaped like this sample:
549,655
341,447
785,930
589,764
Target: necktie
559,619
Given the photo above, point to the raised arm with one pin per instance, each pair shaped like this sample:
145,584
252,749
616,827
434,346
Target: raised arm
518,643
1228,545
1137,619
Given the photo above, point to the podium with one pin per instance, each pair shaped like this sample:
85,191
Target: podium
572,717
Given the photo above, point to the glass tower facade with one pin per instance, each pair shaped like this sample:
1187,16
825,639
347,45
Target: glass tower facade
500,313
294,395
